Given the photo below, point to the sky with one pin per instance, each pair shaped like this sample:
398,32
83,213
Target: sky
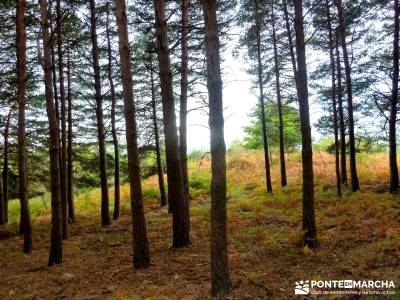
239,102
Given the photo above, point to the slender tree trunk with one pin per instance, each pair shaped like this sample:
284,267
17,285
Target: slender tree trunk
2,212
333,96
290,39
105,213
63,165
353,165
262,101
184,95
141,257
342,129
160,173
25,224
113,126
55,256
220,280
53,67
5,165
70,194
309,228
176,190
394,170
279,100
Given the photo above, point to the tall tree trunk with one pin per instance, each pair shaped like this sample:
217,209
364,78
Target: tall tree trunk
5,164
55,256
309,228
290,39
342,129
262,101
184,94
160,173
2,212
53,67
394,170
113,126
176,190
105,213
25,224
141,257
333,96
353,165
279,100
220,280
63,153
70,194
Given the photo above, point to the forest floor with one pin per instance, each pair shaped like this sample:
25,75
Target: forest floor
359,239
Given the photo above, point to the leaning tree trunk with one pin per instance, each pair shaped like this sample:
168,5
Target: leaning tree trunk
176,189
184,95
279,100
113,121
70,194
262,102
141,257
333,96
394,170
160,173
342,129
55,256
309,228
63,166
105,212
353,165
220,281
5,165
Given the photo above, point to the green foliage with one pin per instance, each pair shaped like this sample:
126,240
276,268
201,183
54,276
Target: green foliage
199,182
291,120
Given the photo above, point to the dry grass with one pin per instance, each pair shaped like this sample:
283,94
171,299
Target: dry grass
359,239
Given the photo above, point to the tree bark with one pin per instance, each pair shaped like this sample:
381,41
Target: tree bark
141,257
279,100
394,170
290,39
56,254
105,212
5,165
333,97
113,125
2,212
63,165
184,95
353,165
309,228
70,195
160,173
342,129
262,101
53,67
176,190
25,223
220,280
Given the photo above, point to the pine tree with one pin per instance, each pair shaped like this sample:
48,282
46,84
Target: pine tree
56,251
220,280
